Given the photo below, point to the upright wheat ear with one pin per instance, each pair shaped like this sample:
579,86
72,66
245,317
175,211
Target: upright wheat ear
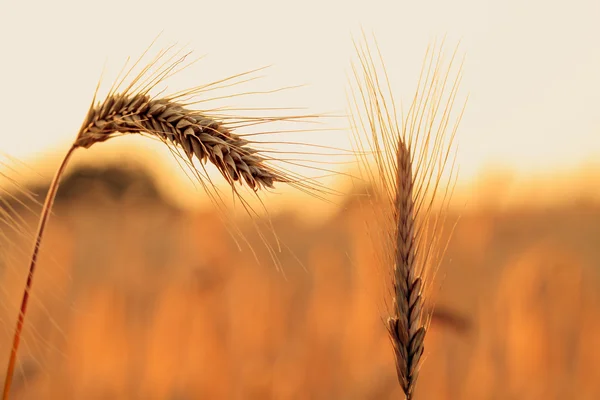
170,120
409,160
406,326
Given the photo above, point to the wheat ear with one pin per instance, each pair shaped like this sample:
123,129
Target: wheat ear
171,120
405,326
409,160
198,135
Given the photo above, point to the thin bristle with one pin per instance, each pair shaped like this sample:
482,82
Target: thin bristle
410,157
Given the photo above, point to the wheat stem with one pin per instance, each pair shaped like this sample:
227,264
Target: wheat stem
34,257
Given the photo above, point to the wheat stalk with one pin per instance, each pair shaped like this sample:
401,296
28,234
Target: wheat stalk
171,120
410,157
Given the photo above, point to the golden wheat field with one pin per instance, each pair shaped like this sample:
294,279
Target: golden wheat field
346,200
138,299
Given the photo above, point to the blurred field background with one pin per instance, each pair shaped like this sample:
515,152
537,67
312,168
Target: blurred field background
138,298
142,293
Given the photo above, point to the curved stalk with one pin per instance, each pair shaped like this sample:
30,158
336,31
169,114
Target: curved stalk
47,208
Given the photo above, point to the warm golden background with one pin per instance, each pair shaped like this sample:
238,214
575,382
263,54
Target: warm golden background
136,298
142,293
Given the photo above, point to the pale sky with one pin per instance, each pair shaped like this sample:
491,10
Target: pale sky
532,67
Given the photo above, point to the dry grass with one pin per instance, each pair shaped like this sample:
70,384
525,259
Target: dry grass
410,157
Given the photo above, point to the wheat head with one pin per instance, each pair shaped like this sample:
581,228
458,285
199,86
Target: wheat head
408,160
199,136
171,120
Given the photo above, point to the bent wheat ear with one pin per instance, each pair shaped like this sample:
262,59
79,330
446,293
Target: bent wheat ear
169,119
199,136
407,164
